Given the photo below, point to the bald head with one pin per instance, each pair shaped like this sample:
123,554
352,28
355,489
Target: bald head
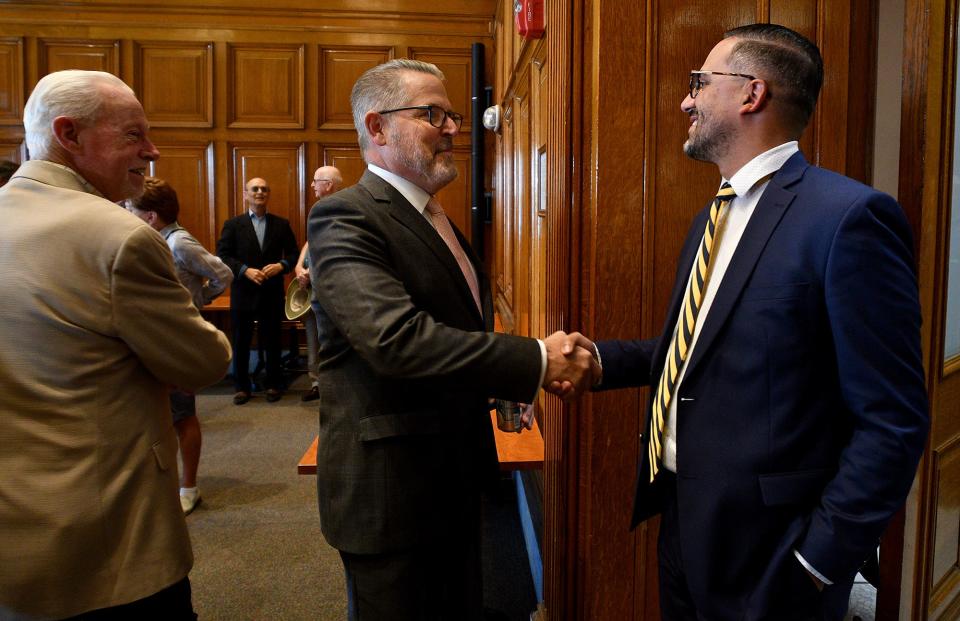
326,180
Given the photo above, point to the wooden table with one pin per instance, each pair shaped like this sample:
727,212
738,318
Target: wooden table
516,451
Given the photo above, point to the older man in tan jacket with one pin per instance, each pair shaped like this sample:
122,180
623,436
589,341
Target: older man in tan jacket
95,329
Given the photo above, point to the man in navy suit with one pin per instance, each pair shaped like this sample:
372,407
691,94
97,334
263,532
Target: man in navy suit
798,409
259,248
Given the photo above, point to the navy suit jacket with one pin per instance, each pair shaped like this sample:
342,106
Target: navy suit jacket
238,246
803,410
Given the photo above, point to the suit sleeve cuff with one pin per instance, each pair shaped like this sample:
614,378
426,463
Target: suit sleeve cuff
810,568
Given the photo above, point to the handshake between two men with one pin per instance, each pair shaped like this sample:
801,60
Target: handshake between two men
573,366
572,369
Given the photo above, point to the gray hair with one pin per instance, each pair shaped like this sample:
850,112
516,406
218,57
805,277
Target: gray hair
73,93
382,88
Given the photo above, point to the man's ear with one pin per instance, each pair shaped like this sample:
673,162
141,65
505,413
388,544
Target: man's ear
756,97
373,122
66,131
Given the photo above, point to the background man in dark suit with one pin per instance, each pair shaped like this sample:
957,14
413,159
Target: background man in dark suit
407,362
259,248
794,406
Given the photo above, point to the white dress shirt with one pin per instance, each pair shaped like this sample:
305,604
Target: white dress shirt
738,212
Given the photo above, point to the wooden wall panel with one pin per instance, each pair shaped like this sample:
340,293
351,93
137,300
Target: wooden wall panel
11,81
348,160
946,556
282,168
339,69
188,169
266,86
175,83
92,55
13,151
503,257
455,65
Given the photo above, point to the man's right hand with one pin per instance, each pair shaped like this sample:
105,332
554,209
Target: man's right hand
571,366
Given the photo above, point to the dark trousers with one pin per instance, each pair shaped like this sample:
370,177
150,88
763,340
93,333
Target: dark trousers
269,317
171,604
440,580
795,597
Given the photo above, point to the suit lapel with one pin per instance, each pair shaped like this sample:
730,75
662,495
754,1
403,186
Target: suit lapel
405,213
770,209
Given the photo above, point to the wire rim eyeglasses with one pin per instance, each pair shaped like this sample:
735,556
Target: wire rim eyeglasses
436,115
696,85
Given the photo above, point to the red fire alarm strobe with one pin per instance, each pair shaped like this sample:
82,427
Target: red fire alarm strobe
529,14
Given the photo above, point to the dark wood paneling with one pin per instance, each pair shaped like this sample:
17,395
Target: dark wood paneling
175,83
92,55
266,86
348,160
11,81
281,166
455,65
240,80
188,169
340,68
946,555
926,191
13,151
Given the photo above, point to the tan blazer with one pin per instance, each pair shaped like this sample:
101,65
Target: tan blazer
94,327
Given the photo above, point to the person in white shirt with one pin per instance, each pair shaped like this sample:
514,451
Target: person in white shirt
326,181
205,276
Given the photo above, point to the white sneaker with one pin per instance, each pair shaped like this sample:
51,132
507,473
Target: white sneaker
189,499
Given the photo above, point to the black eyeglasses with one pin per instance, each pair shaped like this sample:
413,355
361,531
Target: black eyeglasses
259,188
696,84
436,115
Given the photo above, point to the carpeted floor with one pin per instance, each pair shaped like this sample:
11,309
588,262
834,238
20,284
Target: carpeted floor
256,535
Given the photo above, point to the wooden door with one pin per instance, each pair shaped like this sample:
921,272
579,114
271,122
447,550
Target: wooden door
930,193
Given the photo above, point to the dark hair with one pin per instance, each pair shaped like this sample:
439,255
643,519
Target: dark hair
7,168
787,60
158,196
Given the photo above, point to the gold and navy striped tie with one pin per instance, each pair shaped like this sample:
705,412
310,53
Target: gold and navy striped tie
683,333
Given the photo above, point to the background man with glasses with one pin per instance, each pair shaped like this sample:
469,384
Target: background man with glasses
259,248
326,181
407,362
786,429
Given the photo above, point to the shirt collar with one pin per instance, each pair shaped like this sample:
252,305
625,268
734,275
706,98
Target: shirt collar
255,216
417,196
761,166
170,228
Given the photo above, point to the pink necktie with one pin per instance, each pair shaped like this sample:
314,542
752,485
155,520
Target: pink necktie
442,224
